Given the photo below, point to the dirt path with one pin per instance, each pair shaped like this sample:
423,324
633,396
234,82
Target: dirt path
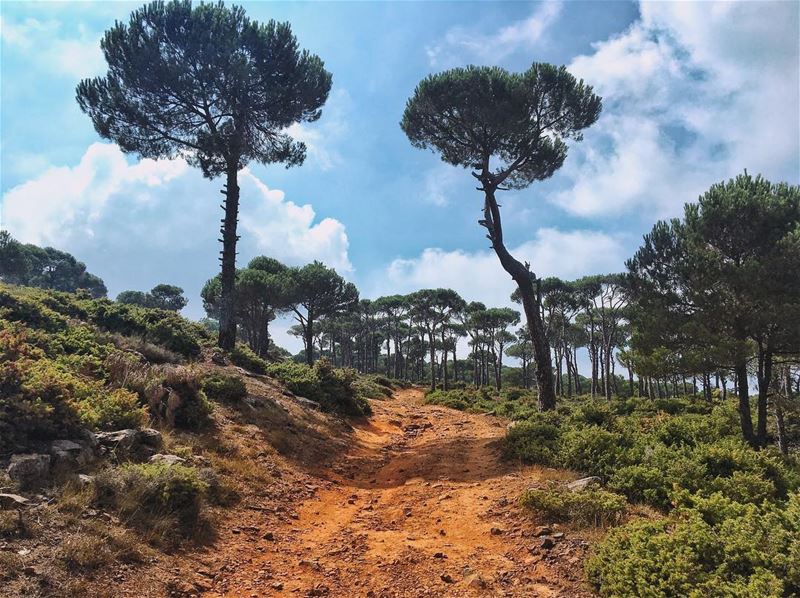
421,505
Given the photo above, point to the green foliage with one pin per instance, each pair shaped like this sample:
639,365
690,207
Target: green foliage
334,389
534,441
587,507
244,357
155,497
592,450
709,547
223,387
48,268
194,409
113,410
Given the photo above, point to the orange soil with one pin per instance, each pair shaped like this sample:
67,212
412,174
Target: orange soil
419,504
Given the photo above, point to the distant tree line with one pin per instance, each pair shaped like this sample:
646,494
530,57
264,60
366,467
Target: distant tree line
161,296
45,267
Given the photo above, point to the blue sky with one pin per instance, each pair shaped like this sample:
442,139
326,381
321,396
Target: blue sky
693,94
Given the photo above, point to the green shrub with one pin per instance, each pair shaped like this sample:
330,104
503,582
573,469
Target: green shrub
157,497
194,409
297,378
595,413
334,389
223,387
592,450
714,547
337,390
242,356
586,507
533,442
642,484
113,410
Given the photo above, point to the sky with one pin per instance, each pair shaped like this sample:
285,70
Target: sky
693,94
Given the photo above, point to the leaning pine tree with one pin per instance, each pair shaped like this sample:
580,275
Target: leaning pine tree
510,130
206,84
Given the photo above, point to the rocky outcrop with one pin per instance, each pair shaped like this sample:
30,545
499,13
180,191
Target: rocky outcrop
69,455
28,470
130,444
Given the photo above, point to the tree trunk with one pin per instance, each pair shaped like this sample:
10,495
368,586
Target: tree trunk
227,319
764,379
744,403
530,303
433,360
309,338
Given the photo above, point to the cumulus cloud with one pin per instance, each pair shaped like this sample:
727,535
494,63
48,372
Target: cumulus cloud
70,54
157,221
478,275
461,46
323,137
694,92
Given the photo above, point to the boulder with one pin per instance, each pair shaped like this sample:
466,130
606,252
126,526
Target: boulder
13,501
168,459
29,469
584,483
68,454
136,444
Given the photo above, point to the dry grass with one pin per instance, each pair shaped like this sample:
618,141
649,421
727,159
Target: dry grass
95,545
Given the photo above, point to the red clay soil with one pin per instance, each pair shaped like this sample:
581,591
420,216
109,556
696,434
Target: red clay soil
419,503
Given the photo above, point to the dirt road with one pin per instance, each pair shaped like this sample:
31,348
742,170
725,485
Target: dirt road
420,505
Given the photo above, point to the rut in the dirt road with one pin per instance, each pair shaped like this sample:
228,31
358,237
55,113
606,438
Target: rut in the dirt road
421,505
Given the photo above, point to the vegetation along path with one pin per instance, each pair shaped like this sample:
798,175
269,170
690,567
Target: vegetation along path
421,505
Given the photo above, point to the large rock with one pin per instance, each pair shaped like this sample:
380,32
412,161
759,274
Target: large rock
29,469
68,454
584,483
130,444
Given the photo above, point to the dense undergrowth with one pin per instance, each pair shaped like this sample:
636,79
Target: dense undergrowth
724,519
71,364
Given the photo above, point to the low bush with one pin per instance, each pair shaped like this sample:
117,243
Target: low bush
592,450
244,357
533,441
159,498
185,405
587,507
708,547
335,389
224,387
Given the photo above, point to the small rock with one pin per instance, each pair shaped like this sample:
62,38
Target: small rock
558,535
496,531
277,586
85,480
584,483
542,530
13,501
439,555
269,536
446,578
169,460
547,543
475,581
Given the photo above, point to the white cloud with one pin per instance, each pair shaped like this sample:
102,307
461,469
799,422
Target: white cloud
438,184
694,93
323,137
64,201
286,231
74,55
461,46
478,276
156,221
